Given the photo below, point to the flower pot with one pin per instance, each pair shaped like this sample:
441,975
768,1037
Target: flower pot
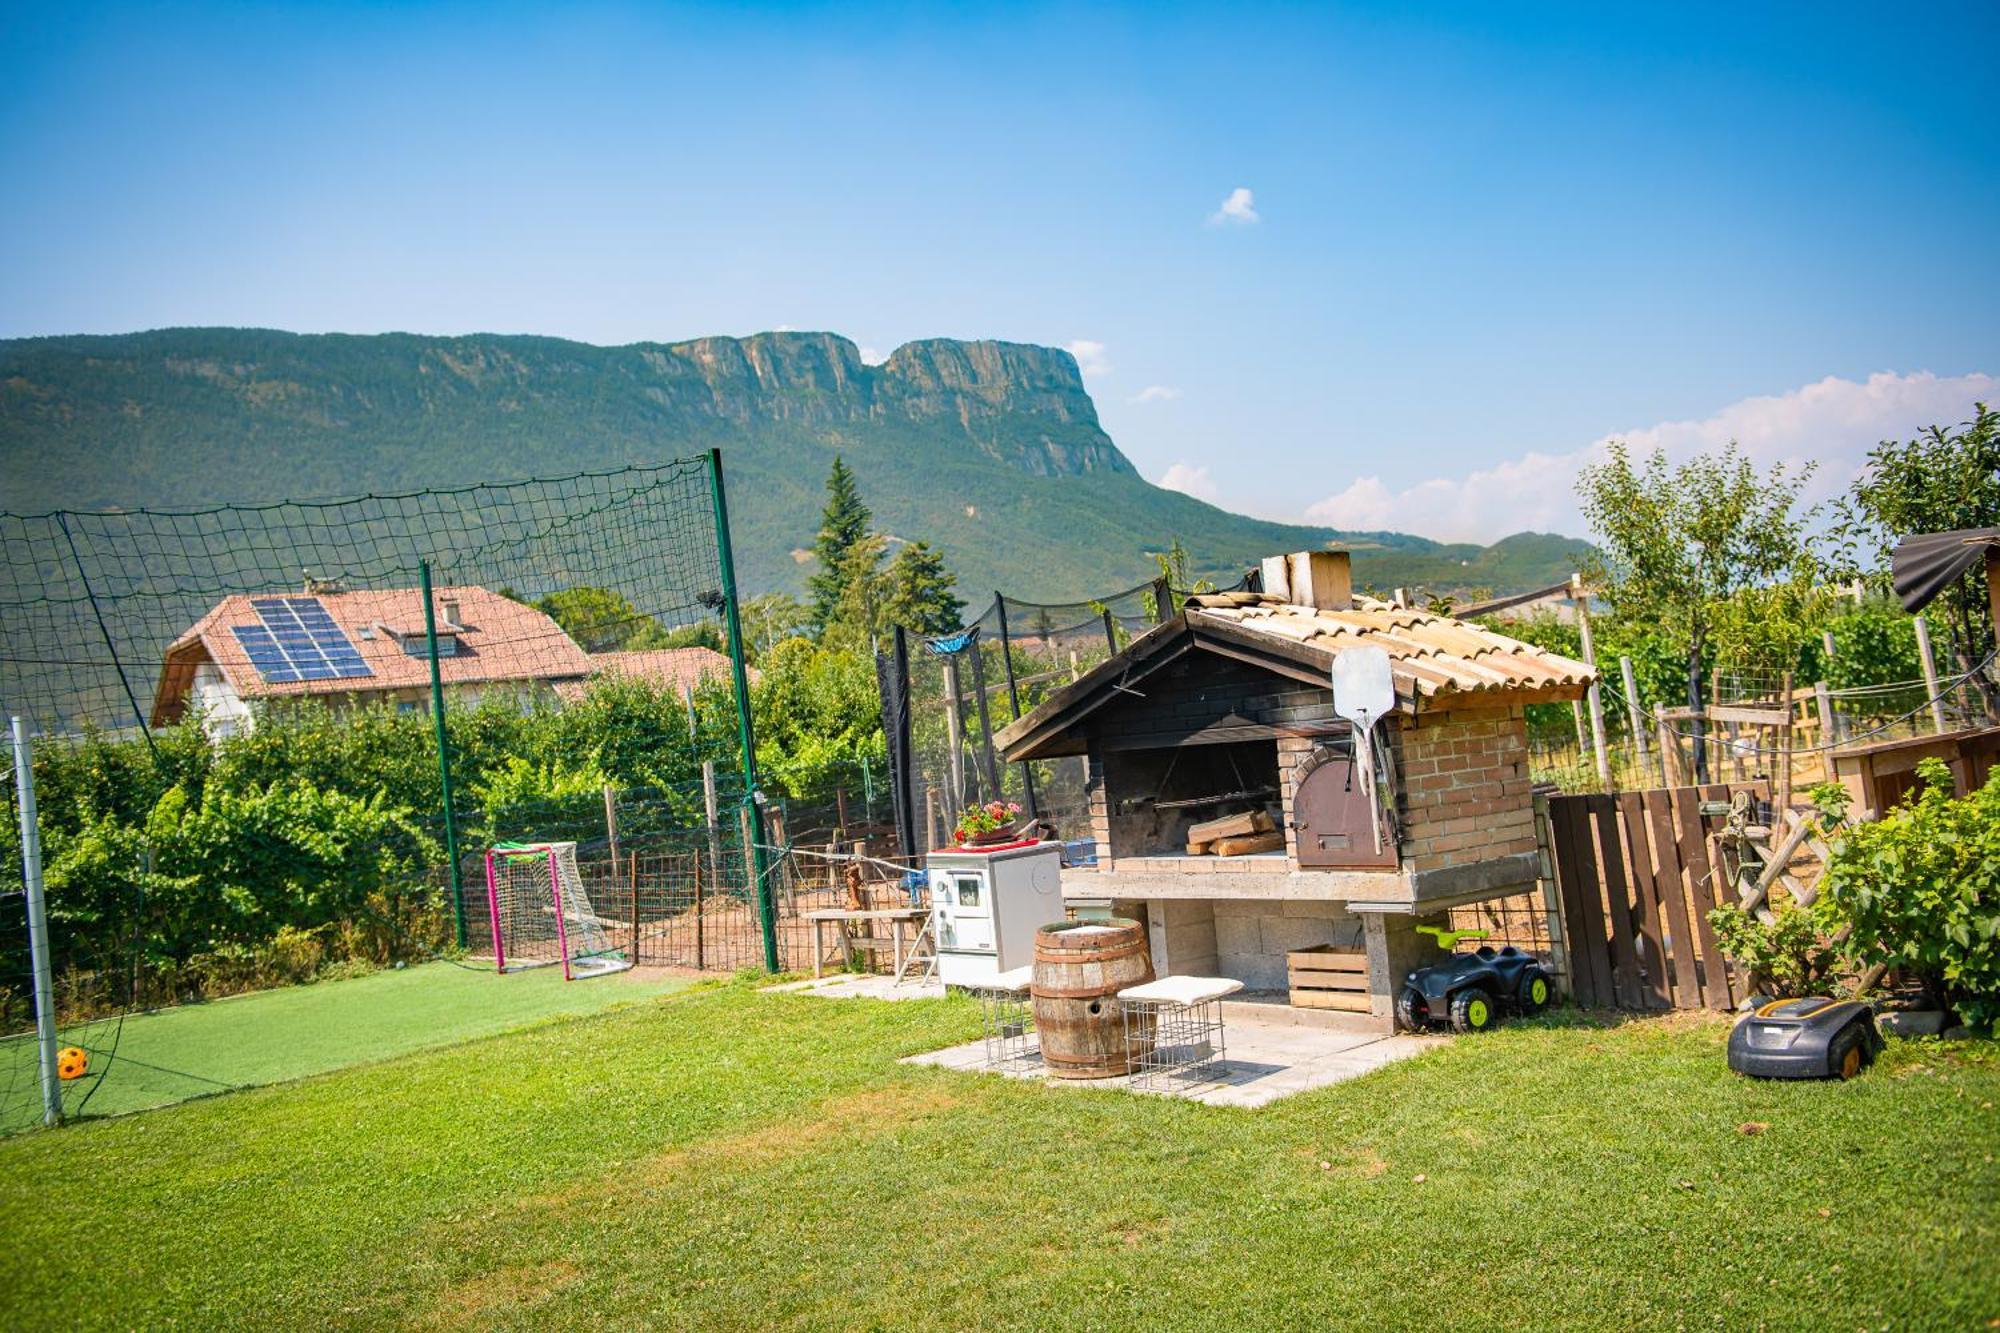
998,837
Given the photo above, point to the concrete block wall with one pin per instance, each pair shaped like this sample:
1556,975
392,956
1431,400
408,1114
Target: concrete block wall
1466,794
1252,936
1182,935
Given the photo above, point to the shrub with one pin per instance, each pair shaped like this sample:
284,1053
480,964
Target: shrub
1919,890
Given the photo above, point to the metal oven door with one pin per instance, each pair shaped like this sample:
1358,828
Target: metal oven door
1332,817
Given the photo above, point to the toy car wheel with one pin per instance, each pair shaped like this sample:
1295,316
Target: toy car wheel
1850,1053
1535,992
1413,1011
1473,1010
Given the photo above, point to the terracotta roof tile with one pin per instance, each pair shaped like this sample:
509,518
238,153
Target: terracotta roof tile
1428,654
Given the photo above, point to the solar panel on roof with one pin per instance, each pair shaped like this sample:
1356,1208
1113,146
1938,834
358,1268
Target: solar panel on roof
298,641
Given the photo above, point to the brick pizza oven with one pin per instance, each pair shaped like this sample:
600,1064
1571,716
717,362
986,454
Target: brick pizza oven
1223,717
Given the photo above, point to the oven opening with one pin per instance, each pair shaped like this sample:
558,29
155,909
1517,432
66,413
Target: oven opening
1157,795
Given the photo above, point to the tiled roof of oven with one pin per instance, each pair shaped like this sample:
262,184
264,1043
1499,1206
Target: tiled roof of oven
1428,654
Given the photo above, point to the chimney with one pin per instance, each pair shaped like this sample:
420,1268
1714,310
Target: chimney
1323,580
448,607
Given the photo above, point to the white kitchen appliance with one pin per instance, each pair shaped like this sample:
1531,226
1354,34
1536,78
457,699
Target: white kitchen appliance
987,904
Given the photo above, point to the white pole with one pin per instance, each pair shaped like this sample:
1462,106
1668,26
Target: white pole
1930,674
38,926
1638,722
1596,696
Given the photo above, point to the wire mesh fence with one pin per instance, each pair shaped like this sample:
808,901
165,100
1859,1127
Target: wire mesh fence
243,777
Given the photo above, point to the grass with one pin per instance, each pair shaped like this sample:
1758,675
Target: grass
737,1159
277,1035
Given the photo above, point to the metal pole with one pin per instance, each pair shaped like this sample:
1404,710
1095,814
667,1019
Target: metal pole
1596,696
985,722
38,926
954,738
746,737
444,758
1638,722
1014,698
1930,674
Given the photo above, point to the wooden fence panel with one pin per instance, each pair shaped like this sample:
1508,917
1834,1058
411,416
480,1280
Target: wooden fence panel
1637,876
1669,886
1577,873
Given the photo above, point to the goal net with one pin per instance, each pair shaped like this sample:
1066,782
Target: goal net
541,914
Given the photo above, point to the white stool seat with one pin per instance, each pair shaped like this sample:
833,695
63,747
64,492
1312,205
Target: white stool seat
1182,990
1016,981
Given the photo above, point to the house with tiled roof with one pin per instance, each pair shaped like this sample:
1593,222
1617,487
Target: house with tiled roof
350,649
674,670
1338,843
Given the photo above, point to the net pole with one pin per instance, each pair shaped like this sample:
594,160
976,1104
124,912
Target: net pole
556,896
1014,695
444,758
38,926
745,733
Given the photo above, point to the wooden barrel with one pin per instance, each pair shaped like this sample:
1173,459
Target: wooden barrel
1080,966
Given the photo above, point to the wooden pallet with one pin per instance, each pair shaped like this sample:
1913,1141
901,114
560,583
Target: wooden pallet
1324,977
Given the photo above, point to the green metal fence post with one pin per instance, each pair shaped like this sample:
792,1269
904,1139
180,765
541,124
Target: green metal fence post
745,735
444,758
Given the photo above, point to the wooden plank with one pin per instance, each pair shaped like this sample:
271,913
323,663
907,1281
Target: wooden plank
1326,958
1706,892
1249,844
1617,904
1199,848
1670,888
1577,871
1231,826
1322,999
1753,717
1569,889
1658,983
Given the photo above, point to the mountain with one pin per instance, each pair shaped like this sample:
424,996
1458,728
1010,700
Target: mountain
990,450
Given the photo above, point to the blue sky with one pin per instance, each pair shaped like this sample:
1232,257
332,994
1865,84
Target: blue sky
1475,244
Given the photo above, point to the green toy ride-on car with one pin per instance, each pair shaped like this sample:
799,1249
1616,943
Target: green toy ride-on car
1472,990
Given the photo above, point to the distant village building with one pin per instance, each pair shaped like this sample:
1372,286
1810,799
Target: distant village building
345,650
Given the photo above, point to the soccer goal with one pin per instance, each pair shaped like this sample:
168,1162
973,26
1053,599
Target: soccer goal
541,915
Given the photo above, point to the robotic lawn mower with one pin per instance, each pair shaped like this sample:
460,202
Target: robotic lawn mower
1814,1037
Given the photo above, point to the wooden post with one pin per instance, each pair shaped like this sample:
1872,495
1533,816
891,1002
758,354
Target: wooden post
1673,766
711,806
1785,745
954,740
700,961
931,838
1930,674
1580,600
840,809
1823,704
1552,908
611,824
1637,720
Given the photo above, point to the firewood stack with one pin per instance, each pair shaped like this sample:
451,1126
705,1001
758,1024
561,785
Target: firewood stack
1236,835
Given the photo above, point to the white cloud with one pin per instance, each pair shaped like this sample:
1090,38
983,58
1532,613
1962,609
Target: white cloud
1189,479
1238,210
1090,358
871,357
1834,422
1156,393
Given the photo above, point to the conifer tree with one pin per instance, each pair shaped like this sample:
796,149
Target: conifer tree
843,523
922,596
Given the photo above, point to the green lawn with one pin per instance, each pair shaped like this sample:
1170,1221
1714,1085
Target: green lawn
731,1158
276,1035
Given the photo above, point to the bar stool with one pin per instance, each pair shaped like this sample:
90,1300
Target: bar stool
1007,1018
1175,1024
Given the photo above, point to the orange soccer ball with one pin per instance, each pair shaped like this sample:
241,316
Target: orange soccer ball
71,1063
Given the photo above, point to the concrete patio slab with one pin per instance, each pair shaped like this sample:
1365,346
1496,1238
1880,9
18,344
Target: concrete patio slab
854,986
1266,1060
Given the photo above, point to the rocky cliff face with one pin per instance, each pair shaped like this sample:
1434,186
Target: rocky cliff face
1016,404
